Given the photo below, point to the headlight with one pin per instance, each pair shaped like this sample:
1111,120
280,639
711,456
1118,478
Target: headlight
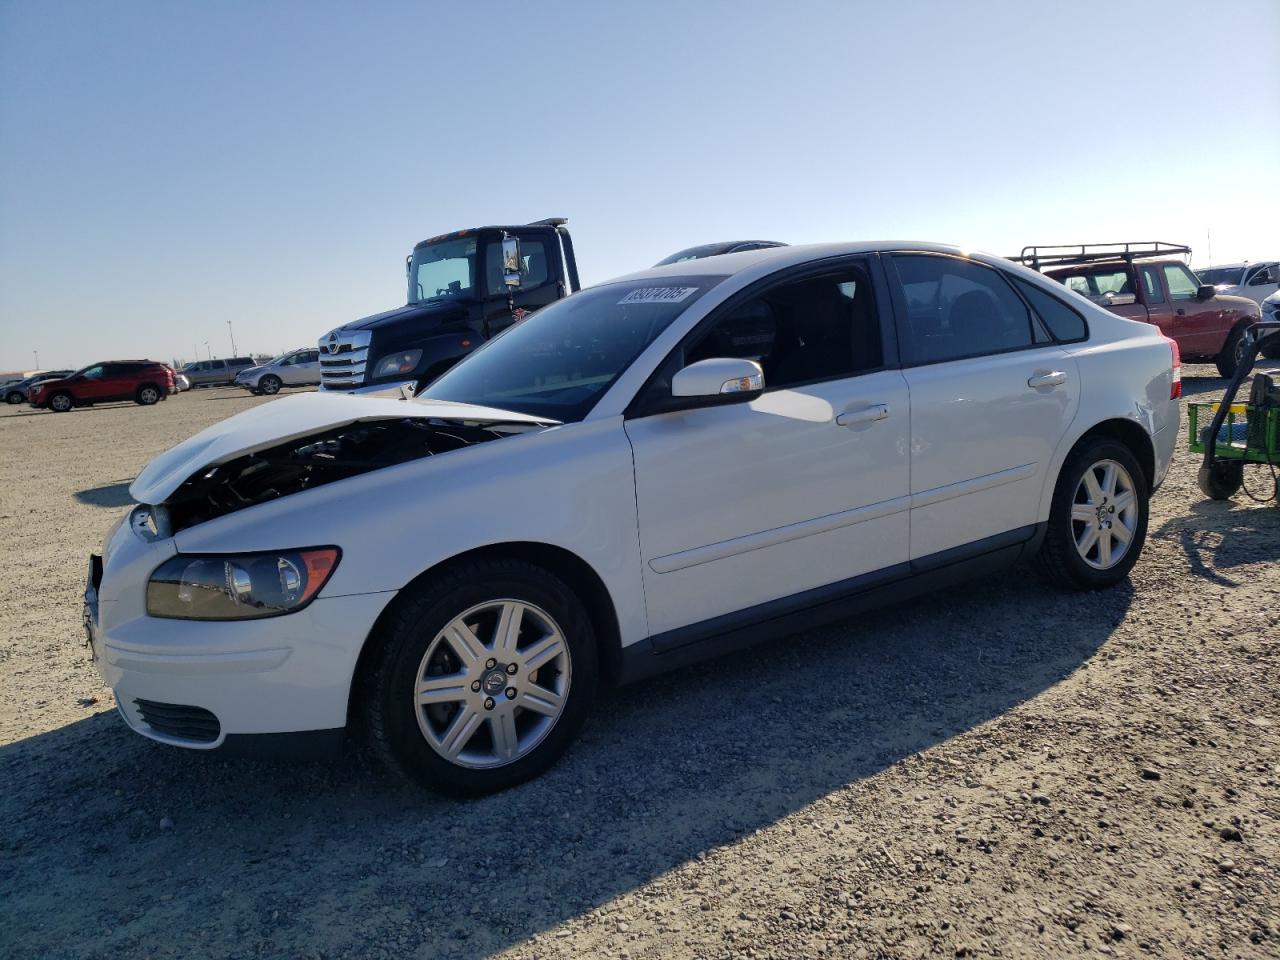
242,587
397,363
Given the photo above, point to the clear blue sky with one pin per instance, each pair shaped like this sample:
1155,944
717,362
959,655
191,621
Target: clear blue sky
166,167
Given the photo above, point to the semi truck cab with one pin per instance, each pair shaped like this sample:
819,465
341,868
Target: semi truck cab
463,288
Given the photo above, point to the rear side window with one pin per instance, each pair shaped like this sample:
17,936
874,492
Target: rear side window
958,308
1155,294
1063,322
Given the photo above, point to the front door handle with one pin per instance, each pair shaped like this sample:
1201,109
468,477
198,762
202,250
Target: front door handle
877,411
1047,378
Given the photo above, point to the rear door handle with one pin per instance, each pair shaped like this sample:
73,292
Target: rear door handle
877,411
1047,378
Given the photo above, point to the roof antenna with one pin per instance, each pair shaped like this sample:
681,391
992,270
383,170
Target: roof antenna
1208,240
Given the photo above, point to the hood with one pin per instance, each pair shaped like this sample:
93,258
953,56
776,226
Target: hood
410,311
1229,301
287,419
254,369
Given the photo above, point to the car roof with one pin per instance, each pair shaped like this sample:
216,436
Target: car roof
729,264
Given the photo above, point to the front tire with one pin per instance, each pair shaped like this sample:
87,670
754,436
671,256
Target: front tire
1098,517
61,403
482,677
1232,353
270,385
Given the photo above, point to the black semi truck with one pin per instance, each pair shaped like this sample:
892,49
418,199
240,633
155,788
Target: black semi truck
464,287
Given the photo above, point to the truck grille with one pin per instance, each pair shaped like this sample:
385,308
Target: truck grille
182,722
343,356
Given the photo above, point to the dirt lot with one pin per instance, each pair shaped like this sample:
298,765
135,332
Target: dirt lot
1002,770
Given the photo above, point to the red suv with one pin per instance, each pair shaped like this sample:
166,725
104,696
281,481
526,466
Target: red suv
142,381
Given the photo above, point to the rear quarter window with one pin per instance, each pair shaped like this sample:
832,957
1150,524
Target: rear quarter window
1064,323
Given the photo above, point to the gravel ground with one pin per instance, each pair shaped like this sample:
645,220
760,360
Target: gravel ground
1000,770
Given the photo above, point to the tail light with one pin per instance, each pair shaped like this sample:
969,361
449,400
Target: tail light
1175,387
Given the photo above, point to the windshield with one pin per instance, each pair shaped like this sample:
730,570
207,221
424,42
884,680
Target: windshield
1231,276
561,360
444,270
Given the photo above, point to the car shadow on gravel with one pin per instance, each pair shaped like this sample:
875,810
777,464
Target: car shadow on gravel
1217,535
109,495
115,845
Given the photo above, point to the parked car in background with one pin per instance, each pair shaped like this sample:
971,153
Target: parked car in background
705,454
1149,282
208,373
181,382
717,249
298,368
143,381
15,393
1256,281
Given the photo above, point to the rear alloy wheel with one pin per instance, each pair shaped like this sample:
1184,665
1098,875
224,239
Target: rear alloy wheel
60,402
484,677
270,385
1098,518
147,395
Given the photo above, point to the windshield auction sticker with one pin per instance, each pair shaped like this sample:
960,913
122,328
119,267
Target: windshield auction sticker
658,294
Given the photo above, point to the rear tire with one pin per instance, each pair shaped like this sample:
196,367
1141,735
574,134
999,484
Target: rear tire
1100,499
1222,479
474,736
147,395
61,402
14,397
270,385
1229,359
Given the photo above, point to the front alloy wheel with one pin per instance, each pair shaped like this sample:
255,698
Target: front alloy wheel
492,684
481,676
60,403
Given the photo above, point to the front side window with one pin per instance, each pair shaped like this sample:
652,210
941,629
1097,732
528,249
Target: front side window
561,360
534,270
958,308
94,373
819,328
444,270
1182,283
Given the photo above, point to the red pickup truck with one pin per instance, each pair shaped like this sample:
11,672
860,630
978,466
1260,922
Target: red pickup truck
1148,281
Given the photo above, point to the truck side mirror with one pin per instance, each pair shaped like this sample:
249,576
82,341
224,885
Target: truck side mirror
1205,291
511,261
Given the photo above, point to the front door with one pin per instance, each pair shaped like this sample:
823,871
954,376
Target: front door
991,396
1200,326
802,487
93,384
539,282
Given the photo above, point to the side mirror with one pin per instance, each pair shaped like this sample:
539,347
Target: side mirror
726,378
1205,291
1119,299
511,261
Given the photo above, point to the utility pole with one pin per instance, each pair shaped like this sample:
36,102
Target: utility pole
36,353
233,338
207,352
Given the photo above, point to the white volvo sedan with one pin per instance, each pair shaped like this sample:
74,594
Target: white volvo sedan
651,471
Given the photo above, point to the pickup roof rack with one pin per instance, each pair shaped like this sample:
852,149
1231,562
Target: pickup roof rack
1072,254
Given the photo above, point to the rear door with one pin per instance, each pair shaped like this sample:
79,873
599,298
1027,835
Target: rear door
991,396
